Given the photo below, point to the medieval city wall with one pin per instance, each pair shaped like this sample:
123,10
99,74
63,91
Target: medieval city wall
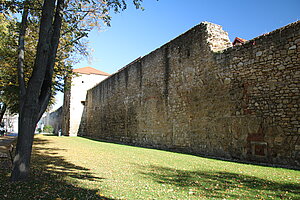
52,119
197,94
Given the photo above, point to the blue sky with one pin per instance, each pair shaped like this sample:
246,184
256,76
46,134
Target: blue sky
135,33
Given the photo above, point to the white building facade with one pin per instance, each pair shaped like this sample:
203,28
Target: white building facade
75,95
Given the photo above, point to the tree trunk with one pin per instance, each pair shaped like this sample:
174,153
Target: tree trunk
34,99
21,163
2,111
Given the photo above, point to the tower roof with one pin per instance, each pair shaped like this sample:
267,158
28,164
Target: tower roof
90,70
238,41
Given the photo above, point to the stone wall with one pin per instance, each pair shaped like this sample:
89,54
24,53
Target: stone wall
198,94
52,119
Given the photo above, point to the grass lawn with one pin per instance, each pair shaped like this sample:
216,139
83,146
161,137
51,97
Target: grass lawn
79,168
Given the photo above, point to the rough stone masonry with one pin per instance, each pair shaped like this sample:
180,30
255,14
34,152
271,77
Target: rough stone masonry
200,95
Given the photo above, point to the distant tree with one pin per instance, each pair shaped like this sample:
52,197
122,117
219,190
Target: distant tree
57,19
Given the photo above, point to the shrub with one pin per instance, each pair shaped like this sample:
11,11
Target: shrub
48,129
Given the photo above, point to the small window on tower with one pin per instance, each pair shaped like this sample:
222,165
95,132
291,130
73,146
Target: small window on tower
82,81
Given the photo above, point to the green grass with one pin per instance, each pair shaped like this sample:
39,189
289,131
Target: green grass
78,168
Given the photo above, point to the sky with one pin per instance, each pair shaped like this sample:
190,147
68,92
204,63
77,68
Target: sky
134,33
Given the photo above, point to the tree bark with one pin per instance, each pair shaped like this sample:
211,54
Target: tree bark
18,174
21,53
2,111
21,164
34,101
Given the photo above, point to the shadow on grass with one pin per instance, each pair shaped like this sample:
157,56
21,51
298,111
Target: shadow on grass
49,173
221,184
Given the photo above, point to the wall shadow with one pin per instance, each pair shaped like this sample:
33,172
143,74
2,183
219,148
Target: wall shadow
48,177
220,184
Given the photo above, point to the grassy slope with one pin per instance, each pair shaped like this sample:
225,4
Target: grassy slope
69,167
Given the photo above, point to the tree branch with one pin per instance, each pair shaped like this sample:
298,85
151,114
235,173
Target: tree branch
71,43
43,50
47,84
21,50
74,26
